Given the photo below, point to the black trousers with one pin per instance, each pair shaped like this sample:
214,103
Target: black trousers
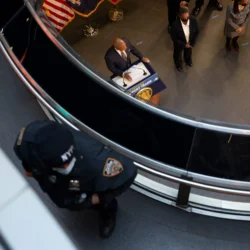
199,3
108,206
178,55
173,7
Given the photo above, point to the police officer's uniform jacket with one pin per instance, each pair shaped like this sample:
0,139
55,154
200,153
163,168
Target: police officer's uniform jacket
95,169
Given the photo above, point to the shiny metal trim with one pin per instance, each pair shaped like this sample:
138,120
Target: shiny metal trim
21,72
50,104
46,101
194,184
194,122
218,213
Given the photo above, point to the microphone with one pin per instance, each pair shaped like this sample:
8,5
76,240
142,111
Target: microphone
124,84
123,80
144,72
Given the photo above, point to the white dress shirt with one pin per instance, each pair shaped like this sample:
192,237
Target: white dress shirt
186,29
120,53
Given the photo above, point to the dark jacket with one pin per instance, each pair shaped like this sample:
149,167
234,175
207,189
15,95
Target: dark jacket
89,171
115,63
178,35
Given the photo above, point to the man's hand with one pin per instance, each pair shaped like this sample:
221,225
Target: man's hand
146,60
239,29
95,199
127,76
183,3
188,46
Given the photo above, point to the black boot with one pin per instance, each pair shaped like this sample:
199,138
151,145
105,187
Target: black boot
108,219
235,44
218,5
228,45
107,226
196,11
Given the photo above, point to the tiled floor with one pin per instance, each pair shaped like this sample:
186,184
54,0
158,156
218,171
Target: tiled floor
142,223
215,88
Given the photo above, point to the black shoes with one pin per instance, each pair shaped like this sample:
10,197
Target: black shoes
196,11
179,68
169,28
228,48
216,4
189,64
235,45
107,226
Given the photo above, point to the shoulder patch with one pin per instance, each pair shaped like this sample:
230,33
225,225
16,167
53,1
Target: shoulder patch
20,137
112,168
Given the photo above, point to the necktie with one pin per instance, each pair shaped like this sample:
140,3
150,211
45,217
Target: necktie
124,56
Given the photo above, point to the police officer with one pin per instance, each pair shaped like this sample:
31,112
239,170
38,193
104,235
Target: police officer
75,170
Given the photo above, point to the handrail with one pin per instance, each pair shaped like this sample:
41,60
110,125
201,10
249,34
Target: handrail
61,45
25,77
47,101
194,184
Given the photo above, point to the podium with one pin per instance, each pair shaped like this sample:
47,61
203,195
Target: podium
145,85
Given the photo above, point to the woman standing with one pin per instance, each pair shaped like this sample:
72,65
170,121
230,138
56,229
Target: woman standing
238,14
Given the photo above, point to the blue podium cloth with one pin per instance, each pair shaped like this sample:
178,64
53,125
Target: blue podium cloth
153,82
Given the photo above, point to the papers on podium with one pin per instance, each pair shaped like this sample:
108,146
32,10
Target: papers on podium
136,73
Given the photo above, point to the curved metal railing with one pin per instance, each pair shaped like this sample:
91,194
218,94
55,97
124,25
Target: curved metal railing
154,167
76,60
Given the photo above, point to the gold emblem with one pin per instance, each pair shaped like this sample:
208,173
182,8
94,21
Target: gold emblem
144,94
112,168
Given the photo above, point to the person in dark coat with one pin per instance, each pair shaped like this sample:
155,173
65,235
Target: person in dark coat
238,14
118,59
184,34
174,5
74,170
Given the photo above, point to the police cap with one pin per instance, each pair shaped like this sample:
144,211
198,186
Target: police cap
54,145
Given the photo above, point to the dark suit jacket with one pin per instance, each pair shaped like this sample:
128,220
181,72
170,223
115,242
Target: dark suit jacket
115,63
178,35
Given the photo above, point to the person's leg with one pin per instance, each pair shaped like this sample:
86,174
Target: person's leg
228,45
216,4
199,4
188,57
108,218
178,57
108,208
197,8
235,43
172,11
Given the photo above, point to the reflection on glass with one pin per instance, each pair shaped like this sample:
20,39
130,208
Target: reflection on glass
221,155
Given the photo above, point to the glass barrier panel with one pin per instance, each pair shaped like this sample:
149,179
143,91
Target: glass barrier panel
78,94
8,10
220,155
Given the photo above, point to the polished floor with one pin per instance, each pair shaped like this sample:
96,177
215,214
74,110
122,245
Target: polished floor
142,222
217,87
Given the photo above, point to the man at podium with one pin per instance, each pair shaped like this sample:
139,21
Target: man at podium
118,59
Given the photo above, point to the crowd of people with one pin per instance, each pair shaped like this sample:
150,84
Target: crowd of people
184,30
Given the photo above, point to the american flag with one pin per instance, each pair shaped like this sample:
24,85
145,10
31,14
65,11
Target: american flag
58,12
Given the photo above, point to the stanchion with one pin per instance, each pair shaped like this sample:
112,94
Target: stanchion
89,30
115,14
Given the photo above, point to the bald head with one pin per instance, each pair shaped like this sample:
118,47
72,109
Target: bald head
119,44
